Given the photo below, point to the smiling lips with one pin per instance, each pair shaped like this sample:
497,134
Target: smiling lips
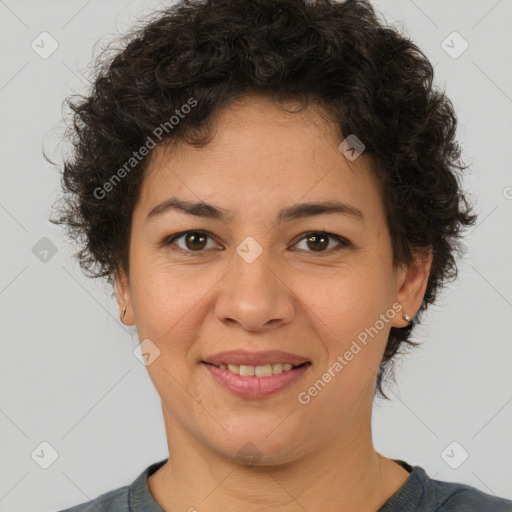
259,371
244,358
256,374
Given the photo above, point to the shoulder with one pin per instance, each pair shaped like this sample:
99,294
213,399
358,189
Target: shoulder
137,496
421,493
112,501
456,497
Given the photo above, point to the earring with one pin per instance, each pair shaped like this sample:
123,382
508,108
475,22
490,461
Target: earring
407,318
123,313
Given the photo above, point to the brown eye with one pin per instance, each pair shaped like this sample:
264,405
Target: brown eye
318,241
195,240
192,241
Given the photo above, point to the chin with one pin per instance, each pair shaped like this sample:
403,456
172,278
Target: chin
262,450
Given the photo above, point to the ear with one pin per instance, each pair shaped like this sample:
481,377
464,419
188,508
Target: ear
412,282
123,295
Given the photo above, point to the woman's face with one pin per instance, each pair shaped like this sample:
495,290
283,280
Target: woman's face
256,281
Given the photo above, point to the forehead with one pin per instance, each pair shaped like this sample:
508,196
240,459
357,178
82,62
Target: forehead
261,154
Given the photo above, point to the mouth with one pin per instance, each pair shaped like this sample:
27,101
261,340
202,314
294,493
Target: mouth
256,382
266,370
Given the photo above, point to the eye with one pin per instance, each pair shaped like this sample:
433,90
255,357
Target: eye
319,240
196,241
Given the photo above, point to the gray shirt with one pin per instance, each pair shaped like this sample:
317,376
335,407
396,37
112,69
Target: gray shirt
419,493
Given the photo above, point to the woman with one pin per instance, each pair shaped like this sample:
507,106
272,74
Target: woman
272,187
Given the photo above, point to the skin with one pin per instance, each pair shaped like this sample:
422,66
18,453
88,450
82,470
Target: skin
317,456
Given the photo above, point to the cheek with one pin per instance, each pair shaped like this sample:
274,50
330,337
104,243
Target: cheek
170,302
348,298
161,298
347,316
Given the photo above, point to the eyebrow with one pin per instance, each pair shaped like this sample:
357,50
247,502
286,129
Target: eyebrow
297,211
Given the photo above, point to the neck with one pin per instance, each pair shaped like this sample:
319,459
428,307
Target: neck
343,474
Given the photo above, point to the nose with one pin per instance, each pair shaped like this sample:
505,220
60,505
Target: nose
255,296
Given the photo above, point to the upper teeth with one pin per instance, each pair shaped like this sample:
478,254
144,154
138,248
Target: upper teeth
260,371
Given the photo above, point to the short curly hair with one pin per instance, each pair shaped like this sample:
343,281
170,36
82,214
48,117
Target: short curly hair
369,79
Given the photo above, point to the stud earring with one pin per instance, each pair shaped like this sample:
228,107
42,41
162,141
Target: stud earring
407,318
123,313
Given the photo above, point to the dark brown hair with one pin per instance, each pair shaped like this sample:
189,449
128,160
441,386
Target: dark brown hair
370,79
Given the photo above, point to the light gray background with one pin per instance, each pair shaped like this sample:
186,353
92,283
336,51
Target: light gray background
68,375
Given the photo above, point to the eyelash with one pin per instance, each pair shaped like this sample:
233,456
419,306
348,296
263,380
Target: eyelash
343,242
